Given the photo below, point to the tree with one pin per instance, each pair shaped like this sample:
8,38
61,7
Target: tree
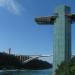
66,68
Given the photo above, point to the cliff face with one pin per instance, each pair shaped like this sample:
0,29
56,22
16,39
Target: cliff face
11,62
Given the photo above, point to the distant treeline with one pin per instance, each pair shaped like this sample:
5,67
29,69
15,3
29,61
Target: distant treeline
12,62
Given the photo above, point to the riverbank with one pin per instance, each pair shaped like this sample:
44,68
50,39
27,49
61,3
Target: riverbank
12,62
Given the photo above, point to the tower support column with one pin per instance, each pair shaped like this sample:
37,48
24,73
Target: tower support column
62,37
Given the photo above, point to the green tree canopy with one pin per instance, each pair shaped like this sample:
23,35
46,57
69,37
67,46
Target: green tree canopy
66,68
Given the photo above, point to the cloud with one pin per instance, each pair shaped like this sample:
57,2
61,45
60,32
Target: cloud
12,6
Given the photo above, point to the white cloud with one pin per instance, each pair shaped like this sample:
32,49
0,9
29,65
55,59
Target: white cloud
12,5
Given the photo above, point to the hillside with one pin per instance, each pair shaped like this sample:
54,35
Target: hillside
11,62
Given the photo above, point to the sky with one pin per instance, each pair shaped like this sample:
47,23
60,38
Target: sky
19,31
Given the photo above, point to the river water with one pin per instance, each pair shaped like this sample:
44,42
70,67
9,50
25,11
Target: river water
26,72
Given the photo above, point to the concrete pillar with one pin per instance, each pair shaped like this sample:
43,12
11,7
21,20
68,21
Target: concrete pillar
62,37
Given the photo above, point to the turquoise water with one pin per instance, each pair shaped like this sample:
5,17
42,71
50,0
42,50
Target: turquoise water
26,72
